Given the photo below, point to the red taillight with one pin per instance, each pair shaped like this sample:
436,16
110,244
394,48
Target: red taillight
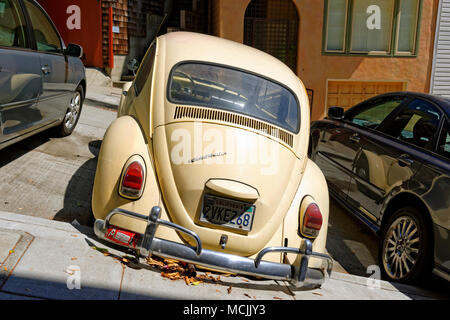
133,180
312,221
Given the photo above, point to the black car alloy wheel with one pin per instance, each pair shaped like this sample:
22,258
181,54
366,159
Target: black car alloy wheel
405,250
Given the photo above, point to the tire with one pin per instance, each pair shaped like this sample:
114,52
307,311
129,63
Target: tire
72,114
406,247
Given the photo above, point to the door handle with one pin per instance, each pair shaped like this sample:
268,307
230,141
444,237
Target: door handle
46,70
355,138
404,160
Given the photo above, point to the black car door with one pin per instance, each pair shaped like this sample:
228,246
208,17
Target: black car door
340,140
20,75
392,154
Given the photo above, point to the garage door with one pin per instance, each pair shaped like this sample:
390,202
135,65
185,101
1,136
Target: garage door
345,93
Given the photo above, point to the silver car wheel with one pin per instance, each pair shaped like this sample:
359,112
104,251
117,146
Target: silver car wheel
401,247
73,112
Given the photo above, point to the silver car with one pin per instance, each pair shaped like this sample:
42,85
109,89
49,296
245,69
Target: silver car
42,81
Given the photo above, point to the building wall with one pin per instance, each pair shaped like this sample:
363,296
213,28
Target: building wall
79,22
315,69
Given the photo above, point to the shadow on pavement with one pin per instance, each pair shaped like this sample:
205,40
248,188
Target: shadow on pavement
78,194
349,242
20,148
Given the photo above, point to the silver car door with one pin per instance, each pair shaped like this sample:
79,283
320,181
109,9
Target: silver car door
54,66
20,76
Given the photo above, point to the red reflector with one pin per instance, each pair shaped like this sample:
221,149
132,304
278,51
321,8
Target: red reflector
312,222
134,176
123,237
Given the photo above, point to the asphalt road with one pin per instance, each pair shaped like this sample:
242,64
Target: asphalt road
52,178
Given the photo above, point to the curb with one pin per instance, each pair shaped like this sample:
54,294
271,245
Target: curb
102,103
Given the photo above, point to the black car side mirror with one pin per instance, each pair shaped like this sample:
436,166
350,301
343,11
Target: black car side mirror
74,50
336,113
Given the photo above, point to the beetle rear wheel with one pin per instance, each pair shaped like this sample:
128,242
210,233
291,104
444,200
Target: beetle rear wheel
405,250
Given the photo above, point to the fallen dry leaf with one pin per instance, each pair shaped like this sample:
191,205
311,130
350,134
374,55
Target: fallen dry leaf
229,289
247,295
170,261
317,294
278,298
73,259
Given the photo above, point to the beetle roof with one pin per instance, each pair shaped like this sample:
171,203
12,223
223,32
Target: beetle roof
183,46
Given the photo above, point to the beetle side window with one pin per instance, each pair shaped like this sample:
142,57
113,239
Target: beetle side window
370,115
416,124
45,35
145,69
12,25
443,147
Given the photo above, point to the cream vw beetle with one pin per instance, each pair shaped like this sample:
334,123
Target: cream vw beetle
207,163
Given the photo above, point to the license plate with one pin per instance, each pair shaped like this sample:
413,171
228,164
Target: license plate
227,213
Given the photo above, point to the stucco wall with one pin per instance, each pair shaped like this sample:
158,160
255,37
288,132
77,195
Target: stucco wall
314,68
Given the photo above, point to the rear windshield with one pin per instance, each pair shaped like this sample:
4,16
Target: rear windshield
234,90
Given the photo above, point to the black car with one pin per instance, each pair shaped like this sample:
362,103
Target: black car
387,160
42,82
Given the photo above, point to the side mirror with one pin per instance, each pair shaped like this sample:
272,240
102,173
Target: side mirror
74,50
336,113
133,65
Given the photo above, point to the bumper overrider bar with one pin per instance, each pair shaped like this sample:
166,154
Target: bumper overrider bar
147,244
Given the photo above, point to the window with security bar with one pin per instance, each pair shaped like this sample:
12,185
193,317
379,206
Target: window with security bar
272,26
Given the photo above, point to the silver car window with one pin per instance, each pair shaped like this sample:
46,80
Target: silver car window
12,25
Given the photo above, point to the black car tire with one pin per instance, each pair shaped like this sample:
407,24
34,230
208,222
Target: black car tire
420,241
72,114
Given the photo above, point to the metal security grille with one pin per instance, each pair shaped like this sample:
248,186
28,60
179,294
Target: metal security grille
272,26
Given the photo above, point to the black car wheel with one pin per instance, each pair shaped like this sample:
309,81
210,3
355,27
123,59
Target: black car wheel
405,252
73,113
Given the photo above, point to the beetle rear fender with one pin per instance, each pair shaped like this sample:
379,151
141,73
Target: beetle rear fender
123,139
313,186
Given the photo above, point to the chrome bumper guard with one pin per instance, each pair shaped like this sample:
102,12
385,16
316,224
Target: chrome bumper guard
147,244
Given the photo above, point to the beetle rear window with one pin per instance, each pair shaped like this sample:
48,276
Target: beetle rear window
234,90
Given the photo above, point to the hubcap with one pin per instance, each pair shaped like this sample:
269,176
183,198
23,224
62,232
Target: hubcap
73,111
401,248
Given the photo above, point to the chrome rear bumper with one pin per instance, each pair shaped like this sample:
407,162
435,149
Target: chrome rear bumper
147,244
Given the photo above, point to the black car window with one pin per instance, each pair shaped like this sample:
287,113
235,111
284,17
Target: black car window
417,123
145,69
45,35
443,147
12,25
373,112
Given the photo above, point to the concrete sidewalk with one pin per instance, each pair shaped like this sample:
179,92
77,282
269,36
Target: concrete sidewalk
45,259
100,89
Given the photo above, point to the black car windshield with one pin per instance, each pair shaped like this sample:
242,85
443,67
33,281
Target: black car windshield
234,90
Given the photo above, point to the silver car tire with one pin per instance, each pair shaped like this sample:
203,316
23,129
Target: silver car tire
73,112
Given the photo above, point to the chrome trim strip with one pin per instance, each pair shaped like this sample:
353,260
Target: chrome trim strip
12,105
149,244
